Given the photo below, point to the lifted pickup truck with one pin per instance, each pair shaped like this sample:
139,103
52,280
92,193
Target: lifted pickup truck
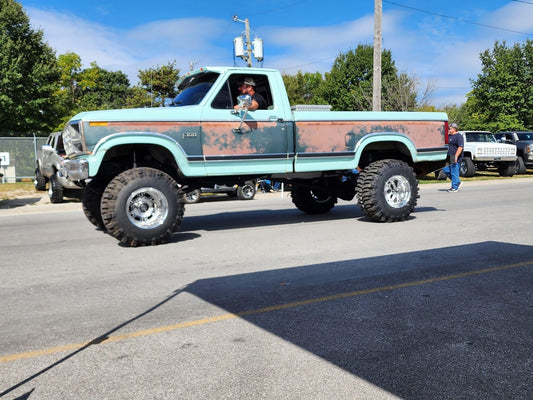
136,164
50,158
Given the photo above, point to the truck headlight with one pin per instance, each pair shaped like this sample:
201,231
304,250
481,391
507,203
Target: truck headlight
76,170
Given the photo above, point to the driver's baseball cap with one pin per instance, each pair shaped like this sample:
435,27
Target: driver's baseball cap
249,81
454,125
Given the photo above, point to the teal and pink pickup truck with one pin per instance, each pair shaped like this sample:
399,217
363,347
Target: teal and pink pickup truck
136,164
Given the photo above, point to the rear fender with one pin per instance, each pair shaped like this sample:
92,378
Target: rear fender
386,141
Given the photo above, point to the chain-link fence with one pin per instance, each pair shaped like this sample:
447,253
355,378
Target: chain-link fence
17,157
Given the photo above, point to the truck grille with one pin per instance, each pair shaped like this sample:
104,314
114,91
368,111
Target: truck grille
494,151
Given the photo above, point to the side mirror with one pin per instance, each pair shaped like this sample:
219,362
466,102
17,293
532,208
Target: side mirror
244,100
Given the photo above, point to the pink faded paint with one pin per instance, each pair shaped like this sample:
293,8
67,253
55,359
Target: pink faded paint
330,136
220,140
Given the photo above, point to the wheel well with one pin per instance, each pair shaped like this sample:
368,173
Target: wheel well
384,150
124,157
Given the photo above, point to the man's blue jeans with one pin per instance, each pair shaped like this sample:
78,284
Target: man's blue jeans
452,172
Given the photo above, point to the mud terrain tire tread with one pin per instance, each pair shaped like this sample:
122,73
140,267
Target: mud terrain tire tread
40,180
91,196
114,206
371,190
55,191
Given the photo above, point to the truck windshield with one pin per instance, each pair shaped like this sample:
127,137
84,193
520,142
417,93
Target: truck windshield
486,137
193,89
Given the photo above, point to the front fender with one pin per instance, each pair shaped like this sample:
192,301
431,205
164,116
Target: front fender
192,165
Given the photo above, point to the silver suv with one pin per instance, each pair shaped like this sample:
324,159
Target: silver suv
49,161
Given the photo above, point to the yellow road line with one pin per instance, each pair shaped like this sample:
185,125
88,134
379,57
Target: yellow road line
210,320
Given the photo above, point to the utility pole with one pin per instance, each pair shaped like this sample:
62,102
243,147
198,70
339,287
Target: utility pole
376,93
239,43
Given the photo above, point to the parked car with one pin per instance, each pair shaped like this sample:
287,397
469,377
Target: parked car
524,147
244,192
482,151
50,158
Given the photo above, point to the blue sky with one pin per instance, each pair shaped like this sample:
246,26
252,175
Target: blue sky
437,42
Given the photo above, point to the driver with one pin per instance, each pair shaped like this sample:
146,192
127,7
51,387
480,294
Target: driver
248,87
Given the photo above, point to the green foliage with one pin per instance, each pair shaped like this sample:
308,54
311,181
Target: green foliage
101,89
502,94
29,74
159,83
304,88
92,88
349,84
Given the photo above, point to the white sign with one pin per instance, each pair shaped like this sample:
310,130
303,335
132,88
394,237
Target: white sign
4,159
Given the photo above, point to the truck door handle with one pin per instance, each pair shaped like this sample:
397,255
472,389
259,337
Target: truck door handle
275,118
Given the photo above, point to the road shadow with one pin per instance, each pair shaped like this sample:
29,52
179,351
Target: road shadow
275,217
445,323
266,217
14,203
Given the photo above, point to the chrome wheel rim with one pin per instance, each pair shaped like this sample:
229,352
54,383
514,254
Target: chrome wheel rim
247,191
147,208
397,191
192,196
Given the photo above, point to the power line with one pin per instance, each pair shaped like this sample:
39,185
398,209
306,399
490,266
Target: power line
523,1
459,19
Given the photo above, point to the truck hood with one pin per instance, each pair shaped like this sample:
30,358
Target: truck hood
186,113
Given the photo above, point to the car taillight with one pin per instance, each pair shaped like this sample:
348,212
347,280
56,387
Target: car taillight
446,132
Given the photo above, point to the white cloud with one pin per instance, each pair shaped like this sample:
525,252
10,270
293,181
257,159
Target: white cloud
144,46
514,16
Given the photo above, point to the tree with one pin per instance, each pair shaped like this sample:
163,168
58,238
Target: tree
502,94
100,89
29,74
159,83
93,88
349,84
304,88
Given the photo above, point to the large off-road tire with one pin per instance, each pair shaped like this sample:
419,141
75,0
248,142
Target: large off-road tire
387,190
192,197
246,191
506,168
142,206
91,196
55,191
520,166
312,201
467,168
40,180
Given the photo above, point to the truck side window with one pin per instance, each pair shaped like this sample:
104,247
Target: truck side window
227,96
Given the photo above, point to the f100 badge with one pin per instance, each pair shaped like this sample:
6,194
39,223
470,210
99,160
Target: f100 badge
189,135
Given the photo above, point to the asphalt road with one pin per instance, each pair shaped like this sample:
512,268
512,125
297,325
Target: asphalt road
256,300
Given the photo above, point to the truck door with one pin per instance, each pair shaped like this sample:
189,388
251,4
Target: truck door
260,144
